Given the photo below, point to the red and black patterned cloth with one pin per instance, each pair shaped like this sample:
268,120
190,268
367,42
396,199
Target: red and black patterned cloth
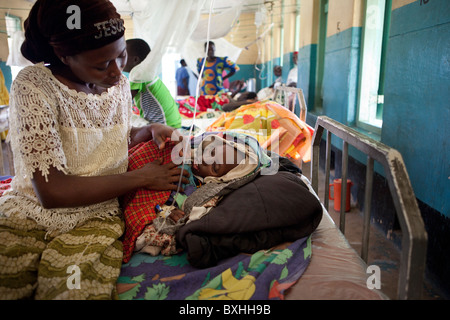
140,204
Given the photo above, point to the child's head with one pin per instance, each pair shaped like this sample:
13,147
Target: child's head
278,71
217,158
211,49
223,157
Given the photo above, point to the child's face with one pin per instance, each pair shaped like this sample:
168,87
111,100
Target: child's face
217,160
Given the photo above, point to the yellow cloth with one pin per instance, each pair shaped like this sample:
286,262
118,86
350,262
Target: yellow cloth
275,127
4,94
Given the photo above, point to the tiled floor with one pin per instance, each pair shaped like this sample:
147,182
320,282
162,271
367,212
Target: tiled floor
382,251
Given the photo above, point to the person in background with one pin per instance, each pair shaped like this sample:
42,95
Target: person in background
193,80
70,131
212,77
278,72
269,92
293,73
241,100
152,98
182,77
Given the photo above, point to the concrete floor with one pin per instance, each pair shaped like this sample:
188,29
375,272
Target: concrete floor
382,251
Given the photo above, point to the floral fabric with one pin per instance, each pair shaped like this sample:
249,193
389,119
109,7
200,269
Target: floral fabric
212,80
264,275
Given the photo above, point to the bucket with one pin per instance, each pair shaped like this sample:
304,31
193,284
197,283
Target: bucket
251,85
336,185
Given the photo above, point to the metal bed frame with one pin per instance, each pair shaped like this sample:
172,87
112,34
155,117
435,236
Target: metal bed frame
414,235
282,95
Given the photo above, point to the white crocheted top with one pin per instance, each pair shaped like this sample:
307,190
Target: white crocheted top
77,133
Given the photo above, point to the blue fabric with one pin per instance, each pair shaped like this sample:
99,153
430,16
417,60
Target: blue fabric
212,80
181,74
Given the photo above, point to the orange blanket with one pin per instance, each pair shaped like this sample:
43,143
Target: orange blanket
276,128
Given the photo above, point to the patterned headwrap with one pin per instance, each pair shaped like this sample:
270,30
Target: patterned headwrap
67,27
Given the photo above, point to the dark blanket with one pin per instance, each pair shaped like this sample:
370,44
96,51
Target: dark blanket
268,211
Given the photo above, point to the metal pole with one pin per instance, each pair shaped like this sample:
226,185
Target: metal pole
344,185
367,207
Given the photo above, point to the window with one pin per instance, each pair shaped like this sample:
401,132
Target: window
371,78
170,64
323,22
13,24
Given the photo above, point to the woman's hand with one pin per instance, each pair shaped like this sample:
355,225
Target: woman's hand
159,132
159,176
63,191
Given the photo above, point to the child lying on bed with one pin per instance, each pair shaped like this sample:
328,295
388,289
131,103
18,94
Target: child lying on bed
216,163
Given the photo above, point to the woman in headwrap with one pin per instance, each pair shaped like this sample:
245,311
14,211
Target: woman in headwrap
60,222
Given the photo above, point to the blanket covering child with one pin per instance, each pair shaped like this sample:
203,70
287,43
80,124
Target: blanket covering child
148,227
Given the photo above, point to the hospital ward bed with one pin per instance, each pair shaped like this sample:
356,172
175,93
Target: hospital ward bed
321,266
336,270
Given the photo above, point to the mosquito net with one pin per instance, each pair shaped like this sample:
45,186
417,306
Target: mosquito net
182,27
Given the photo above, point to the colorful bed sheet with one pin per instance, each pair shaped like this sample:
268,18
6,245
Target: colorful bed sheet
263,275
275,127
205,104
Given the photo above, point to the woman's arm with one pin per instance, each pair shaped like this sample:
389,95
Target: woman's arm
158,132
61,190
229,74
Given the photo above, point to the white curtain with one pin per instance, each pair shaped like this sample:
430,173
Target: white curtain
221,24
15,57
173,26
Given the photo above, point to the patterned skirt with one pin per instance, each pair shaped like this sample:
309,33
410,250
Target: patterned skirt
81,264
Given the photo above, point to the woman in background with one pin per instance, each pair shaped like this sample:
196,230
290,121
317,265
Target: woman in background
212,77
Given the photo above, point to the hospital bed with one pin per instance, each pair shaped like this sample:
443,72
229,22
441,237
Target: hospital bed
333,273
335,270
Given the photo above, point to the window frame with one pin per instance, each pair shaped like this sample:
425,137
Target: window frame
381,76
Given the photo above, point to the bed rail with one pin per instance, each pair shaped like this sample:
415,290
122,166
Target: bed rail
287,97
414,236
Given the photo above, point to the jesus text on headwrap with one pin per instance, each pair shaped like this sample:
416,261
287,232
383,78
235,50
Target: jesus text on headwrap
109,28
